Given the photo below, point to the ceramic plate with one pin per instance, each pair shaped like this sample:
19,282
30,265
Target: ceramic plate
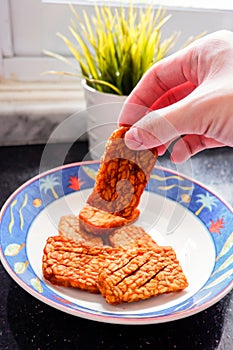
175,210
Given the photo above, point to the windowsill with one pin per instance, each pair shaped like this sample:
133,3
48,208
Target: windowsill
30,112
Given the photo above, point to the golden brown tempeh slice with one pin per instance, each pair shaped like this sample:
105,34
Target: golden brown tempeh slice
141,273
129,236
125,236
98,222
69,227
68,263
121,275
122,176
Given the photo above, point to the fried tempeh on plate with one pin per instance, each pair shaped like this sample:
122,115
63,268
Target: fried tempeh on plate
69,227
119,274
124,236
130,236
141,273
98,222
74,264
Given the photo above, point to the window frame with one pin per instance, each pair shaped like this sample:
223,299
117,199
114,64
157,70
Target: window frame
18,63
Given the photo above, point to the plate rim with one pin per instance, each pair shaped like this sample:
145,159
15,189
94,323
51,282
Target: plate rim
131,320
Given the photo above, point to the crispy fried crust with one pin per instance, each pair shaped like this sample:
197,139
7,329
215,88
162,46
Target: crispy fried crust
98,222
121,275
69,227
72,264
122,176
141,273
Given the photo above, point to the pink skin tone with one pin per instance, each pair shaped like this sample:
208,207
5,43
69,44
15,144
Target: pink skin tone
188,94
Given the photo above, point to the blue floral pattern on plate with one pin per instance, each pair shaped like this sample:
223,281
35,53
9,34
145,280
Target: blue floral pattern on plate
25,204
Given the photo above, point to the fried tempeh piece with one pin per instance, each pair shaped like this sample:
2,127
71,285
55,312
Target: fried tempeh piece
121,275
68,263
124,236
69,227
122,176
141,273
98,222
129,236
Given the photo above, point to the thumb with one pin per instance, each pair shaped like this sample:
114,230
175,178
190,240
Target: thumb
153,130
162,126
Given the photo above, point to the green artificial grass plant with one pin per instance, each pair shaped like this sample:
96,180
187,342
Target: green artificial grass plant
115,46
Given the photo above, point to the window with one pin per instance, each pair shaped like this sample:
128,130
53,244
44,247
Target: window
30,26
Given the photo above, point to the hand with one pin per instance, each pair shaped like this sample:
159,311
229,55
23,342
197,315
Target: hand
192,93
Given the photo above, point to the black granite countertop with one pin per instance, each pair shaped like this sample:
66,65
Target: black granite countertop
27,323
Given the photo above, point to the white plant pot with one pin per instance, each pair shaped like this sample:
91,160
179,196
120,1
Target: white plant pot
102,115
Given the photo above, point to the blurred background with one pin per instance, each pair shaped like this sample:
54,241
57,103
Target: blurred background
32,104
